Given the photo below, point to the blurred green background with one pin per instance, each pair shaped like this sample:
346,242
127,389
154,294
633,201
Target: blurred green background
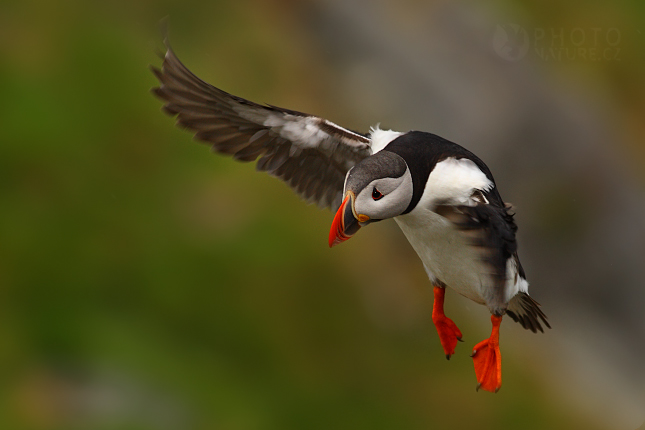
147,284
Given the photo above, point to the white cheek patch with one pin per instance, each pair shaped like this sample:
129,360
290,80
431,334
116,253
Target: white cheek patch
397,194
384,185
453,181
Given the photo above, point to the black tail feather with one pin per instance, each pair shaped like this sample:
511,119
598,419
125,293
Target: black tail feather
526,311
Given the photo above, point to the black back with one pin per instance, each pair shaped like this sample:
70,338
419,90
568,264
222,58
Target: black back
422,151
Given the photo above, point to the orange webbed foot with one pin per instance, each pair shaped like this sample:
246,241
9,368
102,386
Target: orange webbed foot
449,334
488,360
448,331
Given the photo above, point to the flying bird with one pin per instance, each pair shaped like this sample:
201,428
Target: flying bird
442,196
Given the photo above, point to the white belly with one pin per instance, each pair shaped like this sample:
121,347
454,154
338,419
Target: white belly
445,254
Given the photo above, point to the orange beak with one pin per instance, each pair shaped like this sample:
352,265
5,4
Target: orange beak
345,225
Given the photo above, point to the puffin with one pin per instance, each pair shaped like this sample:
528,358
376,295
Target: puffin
442,196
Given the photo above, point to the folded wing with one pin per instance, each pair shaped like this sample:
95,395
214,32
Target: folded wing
489,226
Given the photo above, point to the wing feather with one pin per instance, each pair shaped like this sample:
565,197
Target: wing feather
309,153
488,225
490,228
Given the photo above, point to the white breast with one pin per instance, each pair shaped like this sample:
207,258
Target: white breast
444,253
443,249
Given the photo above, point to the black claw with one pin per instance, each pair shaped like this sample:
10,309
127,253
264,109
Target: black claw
478,386
497,389
473,354
447,356
459,339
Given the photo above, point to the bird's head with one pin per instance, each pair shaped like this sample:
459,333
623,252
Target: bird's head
377,188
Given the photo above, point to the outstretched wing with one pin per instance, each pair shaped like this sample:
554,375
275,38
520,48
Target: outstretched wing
309,153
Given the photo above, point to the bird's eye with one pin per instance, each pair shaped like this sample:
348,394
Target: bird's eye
376,194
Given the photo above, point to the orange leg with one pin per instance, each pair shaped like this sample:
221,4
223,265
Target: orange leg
449,334
488,360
